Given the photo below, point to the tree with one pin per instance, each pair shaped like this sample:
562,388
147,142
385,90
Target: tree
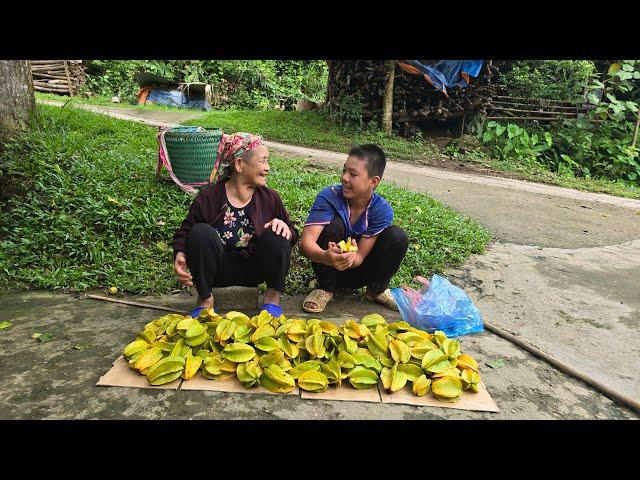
17,101
387,102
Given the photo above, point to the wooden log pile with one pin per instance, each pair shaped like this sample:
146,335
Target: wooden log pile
514,109
57,76
414,99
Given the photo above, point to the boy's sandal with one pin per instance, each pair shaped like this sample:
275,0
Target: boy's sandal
385,298
320,298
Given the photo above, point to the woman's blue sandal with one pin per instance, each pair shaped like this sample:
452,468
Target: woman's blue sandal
273,309
195,313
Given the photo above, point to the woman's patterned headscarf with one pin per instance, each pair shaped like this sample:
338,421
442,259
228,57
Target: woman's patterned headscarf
231,147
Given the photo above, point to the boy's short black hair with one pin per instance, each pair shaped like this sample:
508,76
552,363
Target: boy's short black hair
374,158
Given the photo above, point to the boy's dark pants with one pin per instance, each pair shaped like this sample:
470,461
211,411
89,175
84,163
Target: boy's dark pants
213,266
378,267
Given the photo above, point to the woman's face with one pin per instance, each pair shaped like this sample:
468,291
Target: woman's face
255,168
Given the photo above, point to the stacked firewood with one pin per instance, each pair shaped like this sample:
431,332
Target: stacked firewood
414,99
57,76
512,109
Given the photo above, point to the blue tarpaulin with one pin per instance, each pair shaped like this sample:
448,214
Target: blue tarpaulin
448,73
176,98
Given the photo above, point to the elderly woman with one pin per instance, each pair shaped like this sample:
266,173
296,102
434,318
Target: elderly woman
237,231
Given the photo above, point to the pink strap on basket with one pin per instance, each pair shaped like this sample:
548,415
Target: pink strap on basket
163,160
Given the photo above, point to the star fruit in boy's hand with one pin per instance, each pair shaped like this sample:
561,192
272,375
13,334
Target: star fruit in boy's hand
348,246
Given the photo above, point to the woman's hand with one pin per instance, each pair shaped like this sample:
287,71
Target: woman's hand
279,228
181,269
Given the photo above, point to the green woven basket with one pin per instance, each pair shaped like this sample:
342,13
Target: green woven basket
192,154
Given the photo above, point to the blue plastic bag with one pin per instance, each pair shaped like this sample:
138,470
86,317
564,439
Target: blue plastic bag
439,306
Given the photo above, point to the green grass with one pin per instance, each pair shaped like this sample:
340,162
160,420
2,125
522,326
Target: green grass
92,214
542,175
538,173
311,129
106,102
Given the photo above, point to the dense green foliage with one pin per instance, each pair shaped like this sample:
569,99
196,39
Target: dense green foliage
91,213
551,79
599,145
257,84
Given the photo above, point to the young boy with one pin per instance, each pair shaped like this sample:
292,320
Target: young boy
353,209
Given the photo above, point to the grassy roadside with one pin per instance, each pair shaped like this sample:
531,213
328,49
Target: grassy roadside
310,129
92,214
106,102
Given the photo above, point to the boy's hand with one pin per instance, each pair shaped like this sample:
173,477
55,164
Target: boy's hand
338,260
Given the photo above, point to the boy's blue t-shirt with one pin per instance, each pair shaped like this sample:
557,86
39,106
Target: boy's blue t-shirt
331,202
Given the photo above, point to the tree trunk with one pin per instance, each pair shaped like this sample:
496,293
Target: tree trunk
17,101
387,102
327,99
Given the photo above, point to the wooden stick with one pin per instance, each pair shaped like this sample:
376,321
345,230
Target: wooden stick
46,62
136,304
38,75
56,88
42,89
50,89
66,70
51,82
502,109
612,394
559,107
49,69
524,118
50,85
570,102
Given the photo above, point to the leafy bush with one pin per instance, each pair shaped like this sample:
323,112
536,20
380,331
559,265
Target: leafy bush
551,79
247,84
598,146
116,77
350,113
514,142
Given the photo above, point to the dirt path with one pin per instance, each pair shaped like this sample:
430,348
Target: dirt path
563,271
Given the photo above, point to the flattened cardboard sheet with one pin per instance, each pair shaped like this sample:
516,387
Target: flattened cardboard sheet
480,401
345,393
198,382
120,375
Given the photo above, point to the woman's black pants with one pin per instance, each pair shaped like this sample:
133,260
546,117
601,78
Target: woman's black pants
213,266
378,267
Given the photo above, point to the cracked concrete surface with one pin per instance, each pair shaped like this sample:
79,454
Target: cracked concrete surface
54,380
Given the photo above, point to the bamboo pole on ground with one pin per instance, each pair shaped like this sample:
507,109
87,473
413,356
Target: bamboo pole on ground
136,304
560,365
